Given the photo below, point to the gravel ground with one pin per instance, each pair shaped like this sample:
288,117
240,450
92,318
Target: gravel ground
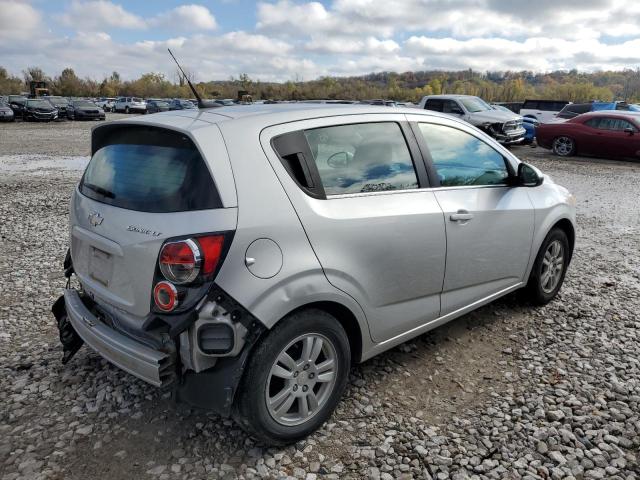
508,391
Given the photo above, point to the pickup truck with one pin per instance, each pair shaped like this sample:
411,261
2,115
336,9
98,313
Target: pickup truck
505,127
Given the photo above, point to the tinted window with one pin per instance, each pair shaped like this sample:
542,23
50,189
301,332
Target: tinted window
434,104
84,103
461,159
450,106
530,104
366,157
148,169
608,123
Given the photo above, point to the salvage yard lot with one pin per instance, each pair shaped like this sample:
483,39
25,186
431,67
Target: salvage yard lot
507,391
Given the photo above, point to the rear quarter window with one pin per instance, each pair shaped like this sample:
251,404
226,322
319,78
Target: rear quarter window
148,169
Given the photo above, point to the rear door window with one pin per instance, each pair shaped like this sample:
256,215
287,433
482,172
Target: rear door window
148,169
366,157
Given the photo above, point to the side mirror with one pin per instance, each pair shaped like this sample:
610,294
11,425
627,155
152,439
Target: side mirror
629,131
529,176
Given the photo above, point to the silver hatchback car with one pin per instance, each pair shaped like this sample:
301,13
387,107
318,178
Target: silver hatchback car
248,256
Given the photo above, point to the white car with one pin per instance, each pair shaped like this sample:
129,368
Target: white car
544,111
130,104
106,104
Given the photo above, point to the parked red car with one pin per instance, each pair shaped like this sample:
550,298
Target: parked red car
604,133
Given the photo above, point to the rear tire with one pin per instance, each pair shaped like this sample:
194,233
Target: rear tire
564,146
549,269
126,109
294,379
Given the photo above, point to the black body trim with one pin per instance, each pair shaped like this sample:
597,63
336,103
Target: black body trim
215,388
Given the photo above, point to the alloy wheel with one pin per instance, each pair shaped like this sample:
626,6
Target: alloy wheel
552,266
563,146
301,379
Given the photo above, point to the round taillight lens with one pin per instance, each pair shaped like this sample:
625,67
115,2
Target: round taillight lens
166,296
180,261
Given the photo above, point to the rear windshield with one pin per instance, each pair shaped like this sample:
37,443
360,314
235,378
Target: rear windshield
149,170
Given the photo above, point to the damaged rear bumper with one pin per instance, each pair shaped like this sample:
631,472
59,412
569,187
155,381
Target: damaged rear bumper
152,366
208,382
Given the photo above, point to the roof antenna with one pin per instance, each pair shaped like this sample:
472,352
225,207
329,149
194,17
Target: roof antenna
201,103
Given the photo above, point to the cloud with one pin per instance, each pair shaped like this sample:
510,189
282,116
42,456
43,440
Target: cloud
459,18
98,14
18,20
306,39
185,17
93,14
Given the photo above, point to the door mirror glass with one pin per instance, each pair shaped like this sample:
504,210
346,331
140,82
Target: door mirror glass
529,176
629,130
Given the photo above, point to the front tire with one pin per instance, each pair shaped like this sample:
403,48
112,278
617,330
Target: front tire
126,110
294,379
564,146
549,269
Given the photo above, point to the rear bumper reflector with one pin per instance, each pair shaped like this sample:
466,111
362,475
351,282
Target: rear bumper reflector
152,366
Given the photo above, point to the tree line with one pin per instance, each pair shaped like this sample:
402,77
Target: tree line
408,86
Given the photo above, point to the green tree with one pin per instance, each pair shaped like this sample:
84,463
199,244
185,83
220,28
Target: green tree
9,84
68,84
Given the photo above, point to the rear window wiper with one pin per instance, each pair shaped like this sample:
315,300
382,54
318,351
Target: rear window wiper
102,191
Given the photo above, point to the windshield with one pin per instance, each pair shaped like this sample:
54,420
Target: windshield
475,104
161,104
17,99
38,103
58,101
84,103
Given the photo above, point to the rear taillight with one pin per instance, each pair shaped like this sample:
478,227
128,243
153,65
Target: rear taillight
166,296
180,261
211,247
190,264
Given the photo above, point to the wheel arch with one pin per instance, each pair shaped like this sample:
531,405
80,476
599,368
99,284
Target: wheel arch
345,317
567,227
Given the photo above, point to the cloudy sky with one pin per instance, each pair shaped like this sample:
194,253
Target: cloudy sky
289,39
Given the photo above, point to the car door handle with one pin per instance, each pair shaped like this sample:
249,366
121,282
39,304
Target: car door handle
461,216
